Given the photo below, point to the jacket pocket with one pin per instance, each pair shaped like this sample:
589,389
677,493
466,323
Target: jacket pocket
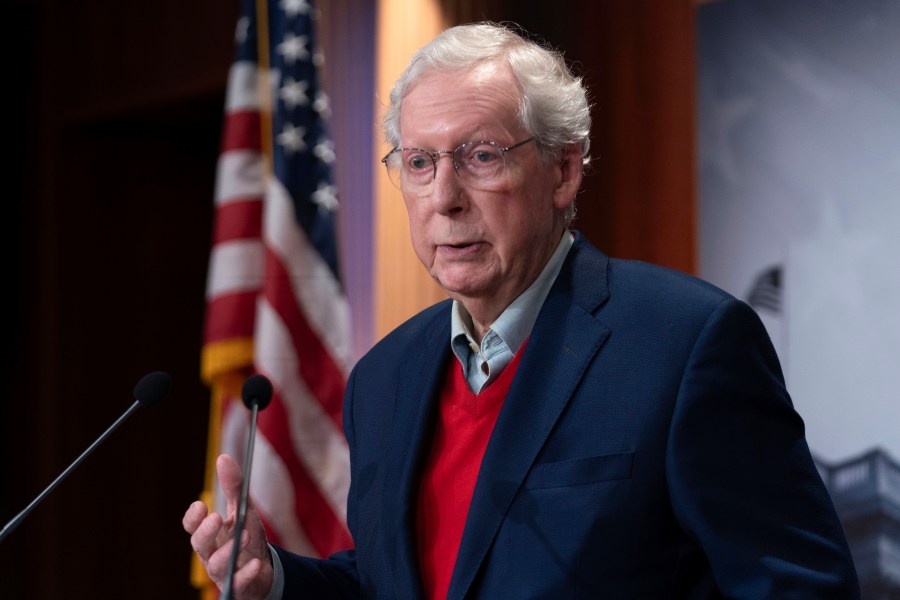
581,471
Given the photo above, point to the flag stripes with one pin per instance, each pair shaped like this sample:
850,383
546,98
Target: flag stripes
239,219
317,368
242,131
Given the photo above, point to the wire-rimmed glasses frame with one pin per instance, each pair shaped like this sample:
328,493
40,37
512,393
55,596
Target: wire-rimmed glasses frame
480,164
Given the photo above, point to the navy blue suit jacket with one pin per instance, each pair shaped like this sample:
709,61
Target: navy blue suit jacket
647,449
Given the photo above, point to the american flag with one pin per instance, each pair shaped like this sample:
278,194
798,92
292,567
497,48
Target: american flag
275,304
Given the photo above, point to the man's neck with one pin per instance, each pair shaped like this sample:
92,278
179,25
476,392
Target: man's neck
478,328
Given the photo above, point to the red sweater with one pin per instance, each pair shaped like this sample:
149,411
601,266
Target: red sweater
460,439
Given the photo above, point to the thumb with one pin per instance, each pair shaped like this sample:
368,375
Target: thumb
231,478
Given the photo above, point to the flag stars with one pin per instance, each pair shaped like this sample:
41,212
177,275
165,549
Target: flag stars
293,93
241,30
291,138
322,105
324,150
294,48
326,197
292,8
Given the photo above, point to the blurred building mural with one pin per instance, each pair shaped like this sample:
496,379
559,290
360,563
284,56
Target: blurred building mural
866,493
799,158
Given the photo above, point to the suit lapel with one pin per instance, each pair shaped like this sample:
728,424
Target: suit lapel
565,339
409,443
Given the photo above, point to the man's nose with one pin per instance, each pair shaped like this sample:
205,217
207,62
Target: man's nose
447,191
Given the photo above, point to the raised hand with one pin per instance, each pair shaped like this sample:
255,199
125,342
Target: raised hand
211,535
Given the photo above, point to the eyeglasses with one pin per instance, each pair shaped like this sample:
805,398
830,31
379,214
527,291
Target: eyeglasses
480,165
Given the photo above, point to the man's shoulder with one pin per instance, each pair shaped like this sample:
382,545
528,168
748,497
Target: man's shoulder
639,276
628,280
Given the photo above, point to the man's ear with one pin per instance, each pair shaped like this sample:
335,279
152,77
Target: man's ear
571,170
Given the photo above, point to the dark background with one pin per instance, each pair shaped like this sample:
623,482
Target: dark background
113,114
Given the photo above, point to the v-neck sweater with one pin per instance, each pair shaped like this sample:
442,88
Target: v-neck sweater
461,435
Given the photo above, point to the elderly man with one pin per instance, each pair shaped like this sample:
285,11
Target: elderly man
568,425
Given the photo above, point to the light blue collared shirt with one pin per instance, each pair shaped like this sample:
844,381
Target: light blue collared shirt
482,364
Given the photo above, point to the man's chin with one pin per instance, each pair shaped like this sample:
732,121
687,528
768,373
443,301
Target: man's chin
460,286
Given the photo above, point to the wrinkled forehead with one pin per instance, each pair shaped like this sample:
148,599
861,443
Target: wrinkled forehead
476,99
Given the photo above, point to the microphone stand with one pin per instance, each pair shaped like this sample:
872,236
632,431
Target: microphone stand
257,391
9,527
148,391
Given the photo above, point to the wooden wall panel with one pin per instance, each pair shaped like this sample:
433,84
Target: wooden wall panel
402,286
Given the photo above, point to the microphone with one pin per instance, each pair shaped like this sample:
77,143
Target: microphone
256,394
152,388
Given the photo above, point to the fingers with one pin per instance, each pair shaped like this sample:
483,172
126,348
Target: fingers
194,515
207,530
253,574
253,580
209,536
254,577
219,559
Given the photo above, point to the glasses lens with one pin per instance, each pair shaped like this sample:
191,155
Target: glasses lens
481,164
410,169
